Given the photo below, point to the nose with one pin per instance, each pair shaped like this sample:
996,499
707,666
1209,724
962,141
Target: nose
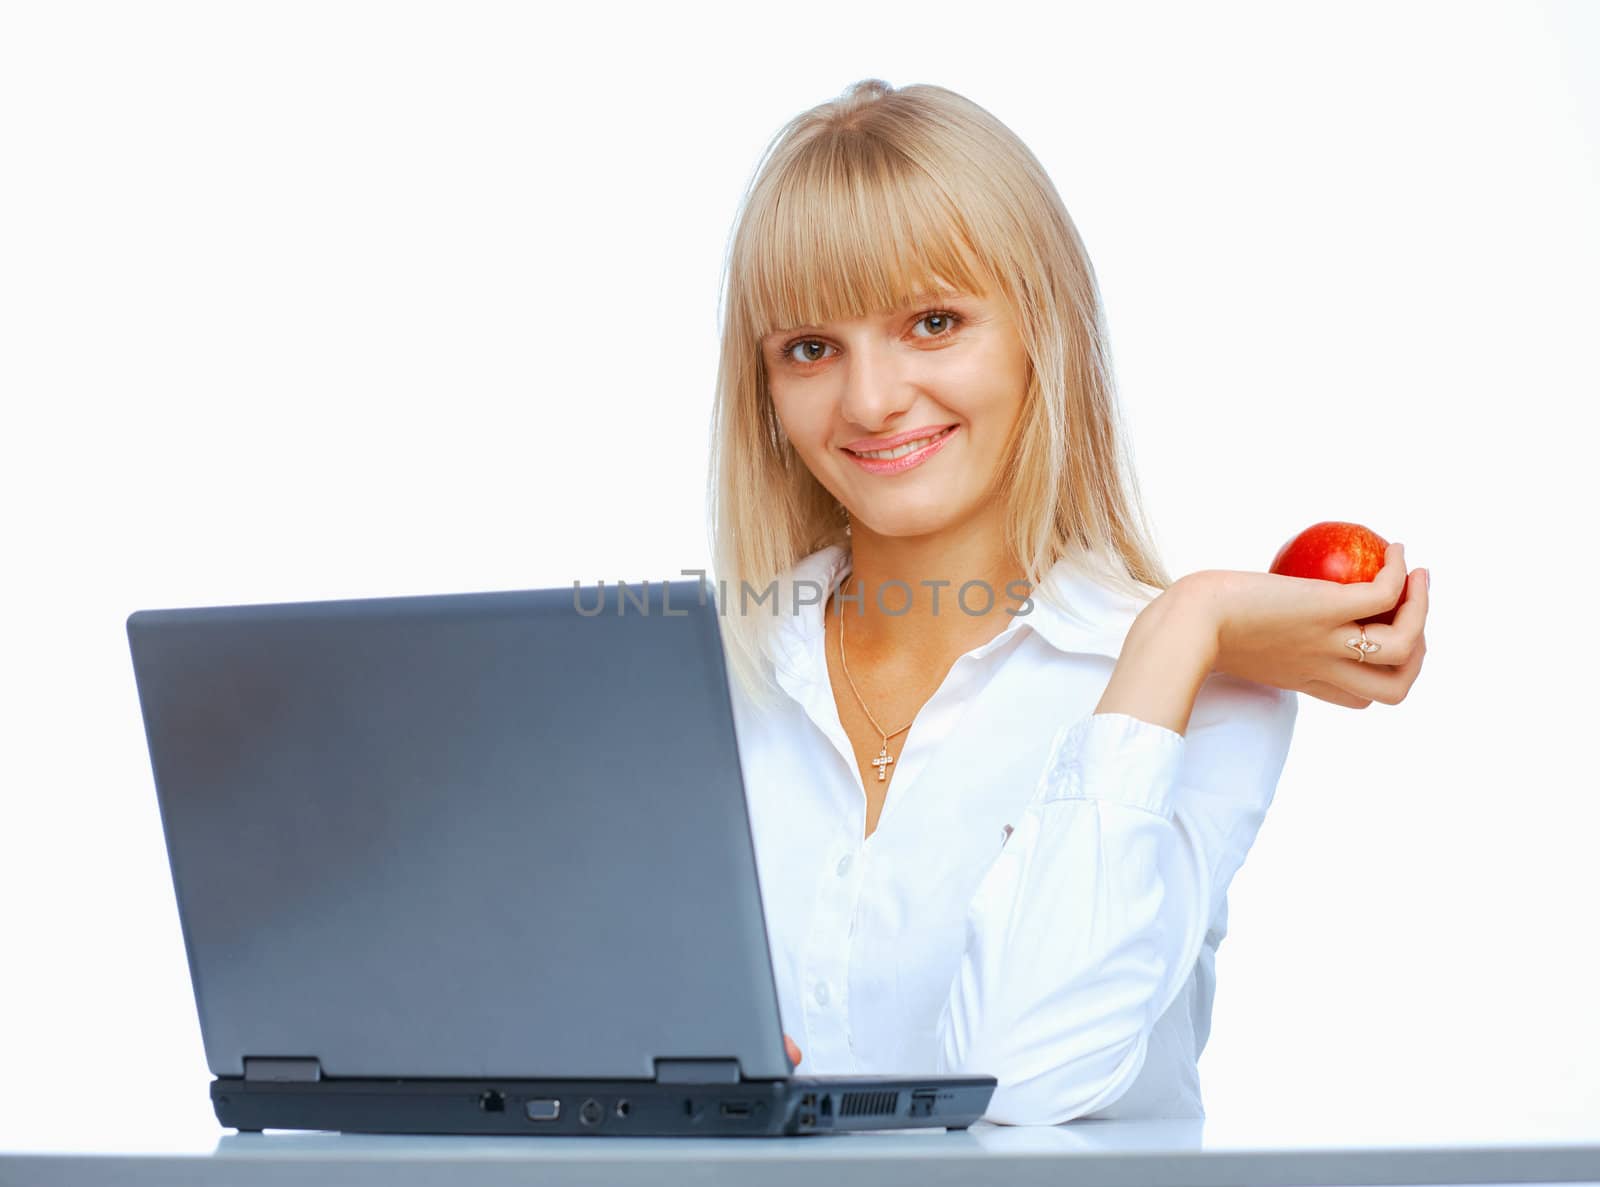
875,390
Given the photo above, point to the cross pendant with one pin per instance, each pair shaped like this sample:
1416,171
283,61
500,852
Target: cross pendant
882,762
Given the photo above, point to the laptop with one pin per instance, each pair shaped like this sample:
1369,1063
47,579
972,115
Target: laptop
480,863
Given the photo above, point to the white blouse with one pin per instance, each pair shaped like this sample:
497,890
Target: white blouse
1044,894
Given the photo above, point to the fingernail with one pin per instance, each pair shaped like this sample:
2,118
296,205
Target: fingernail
1427,580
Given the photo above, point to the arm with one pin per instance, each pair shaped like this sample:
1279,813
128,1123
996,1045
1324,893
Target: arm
1169,652
1090,921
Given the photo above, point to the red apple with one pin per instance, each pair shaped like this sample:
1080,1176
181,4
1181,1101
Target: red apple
1335,551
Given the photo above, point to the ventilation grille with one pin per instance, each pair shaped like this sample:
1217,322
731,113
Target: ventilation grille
868,1104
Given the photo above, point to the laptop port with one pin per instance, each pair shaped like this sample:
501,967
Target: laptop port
590,1112
492,1102
808,1120
736,1108
543,1110
922,1104
623,1107
827,1106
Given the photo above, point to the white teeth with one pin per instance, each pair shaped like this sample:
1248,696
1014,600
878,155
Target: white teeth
902,450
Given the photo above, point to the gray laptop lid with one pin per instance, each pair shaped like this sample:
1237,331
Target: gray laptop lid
476,835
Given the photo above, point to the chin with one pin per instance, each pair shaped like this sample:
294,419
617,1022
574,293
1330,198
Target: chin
909,524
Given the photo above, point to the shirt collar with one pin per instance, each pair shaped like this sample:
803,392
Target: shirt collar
1091,617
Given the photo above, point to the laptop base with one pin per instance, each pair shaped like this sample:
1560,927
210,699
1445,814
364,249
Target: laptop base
614,1108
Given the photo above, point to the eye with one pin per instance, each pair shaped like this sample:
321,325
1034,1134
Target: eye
946,320
788,351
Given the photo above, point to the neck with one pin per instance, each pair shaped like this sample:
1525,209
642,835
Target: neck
936,620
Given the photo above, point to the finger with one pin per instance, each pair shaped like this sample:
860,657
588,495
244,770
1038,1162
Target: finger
1383,591
1395,642
1324,691
1387,686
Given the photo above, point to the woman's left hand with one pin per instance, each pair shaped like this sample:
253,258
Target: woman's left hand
1291,632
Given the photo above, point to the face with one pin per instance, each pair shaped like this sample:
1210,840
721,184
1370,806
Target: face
851,395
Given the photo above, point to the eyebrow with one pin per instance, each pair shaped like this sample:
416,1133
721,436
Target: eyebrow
918,298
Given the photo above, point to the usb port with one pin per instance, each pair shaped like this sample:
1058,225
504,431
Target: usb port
736,1108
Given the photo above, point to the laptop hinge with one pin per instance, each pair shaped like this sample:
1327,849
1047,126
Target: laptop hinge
697,1071
279,1070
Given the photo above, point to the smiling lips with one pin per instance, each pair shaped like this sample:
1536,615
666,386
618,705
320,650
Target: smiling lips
903,456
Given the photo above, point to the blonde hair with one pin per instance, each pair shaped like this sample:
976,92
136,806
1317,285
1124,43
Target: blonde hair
858,205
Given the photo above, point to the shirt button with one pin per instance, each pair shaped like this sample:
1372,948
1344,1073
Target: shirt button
822,993
844,865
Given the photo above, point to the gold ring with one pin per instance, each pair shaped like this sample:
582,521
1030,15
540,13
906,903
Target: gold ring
1362,646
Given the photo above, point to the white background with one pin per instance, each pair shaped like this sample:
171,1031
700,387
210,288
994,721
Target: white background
328,300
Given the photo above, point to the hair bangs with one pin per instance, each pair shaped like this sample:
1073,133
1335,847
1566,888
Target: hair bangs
852,229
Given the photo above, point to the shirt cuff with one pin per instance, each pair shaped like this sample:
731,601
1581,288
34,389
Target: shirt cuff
1114,757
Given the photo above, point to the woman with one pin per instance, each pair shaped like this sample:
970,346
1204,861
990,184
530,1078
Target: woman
1001,768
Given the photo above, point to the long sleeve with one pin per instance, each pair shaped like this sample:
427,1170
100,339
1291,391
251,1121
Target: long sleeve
1090,920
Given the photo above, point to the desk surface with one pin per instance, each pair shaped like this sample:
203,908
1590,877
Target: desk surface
185,1146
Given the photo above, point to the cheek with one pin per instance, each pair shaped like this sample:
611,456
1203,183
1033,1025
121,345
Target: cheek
1006,386
994,397
800,422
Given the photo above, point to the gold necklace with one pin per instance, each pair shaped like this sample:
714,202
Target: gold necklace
883,760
